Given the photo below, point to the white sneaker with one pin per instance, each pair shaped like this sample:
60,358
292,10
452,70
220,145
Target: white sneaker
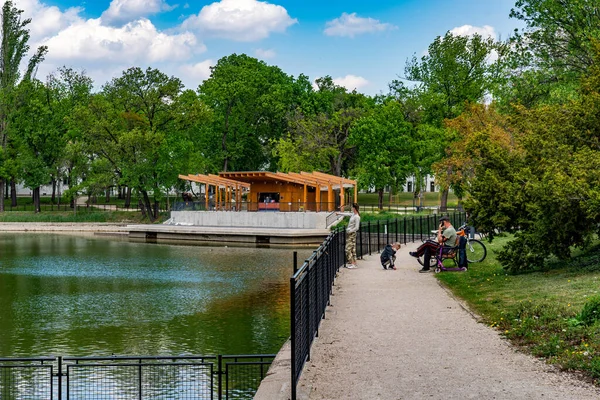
351,266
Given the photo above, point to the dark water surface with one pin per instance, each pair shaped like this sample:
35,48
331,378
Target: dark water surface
83,296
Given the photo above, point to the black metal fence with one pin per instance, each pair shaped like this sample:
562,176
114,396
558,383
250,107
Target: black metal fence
312,284
66,207
109,378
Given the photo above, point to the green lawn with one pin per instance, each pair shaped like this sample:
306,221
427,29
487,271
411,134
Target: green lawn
430,199
539,311
82,215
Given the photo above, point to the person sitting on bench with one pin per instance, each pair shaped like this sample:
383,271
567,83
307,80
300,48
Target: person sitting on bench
446,236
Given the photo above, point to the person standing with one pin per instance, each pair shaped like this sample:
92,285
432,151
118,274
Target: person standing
351,230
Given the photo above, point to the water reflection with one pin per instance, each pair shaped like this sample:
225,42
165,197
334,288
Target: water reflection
69,295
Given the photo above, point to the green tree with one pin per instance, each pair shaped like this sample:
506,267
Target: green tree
249,101
133,124
549,56
384,142
15,38
319,129
541,181
455,71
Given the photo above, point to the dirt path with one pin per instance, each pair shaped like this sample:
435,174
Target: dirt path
400,335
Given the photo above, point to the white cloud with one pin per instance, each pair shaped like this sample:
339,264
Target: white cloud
241,20
265,54
136,42
46,20
469,30
193,74
351,82
351,25
123,11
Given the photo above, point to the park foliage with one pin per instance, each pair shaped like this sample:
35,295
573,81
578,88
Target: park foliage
510,126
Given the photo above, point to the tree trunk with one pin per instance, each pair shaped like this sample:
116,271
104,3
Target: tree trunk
380,198
127,197
13,193
120,192
2,192
107,198
53,190
36,200
148,206
444,200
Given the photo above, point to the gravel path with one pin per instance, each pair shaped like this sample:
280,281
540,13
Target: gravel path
400,335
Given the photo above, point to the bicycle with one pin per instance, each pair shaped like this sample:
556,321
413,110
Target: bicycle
476,250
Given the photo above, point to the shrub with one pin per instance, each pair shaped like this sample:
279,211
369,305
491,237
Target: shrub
590,312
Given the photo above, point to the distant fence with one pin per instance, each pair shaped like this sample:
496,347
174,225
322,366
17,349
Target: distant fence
312,284
79,209
108,378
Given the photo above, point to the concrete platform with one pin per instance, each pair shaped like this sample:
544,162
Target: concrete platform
254,235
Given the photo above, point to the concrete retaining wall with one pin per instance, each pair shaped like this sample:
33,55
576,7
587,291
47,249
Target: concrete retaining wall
278,220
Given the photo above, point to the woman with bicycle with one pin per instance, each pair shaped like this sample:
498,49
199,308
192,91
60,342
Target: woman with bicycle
446,236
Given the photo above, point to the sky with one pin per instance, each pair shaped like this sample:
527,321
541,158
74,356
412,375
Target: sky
362,44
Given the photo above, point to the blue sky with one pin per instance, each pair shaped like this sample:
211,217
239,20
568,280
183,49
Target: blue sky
361,44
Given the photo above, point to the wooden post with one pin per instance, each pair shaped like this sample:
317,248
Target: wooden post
355,194
330,201
206,190
318,197
342,195
305,197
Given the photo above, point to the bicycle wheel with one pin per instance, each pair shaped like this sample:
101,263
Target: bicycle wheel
476,251
432,261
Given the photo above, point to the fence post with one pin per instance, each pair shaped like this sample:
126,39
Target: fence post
293,333
369,237
378,244
360,239
295,262
308,338
140,379
220,375
59,377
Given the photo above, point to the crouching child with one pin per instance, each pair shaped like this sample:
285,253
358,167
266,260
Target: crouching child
388,255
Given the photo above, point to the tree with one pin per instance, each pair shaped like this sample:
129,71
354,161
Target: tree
15,38
540,180
132,124
70,90
319,129
456,70
384,142
550,55
249,101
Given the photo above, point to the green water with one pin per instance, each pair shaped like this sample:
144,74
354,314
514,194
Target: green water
91,296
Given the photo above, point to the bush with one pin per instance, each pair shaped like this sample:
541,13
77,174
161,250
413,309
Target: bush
590,312
521,255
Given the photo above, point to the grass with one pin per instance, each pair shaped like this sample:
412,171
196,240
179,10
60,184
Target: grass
87,216
540,311
430,199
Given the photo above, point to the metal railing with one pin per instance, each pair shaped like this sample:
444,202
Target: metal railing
254,207
311,285
79,209
99,378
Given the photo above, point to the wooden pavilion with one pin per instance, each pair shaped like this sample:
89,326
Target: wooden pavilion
278,191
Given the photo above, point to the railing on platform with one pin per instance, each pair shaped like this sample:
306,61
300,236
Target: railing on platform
255,207
311,285
99,378
299,207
